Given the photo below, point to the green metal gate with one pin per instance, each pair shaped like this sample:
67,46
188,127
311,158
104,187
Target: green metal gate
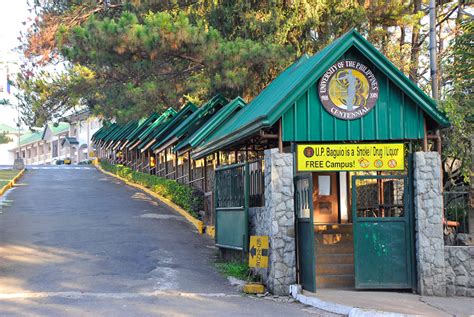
383,232
305,230
231,192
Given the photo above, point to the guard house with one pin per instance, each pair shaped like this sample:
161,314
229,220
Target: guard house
349,184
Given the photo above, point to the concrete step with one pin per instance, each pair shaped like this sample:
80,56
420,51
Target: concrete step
337,248
334,269
335,281
332,238
335,259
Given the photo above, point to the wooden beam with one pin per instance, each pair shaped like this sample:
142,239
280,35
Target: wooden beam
280,137
425,136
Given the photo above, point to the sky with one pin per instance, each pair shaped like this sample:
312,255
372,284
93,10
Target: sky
12,14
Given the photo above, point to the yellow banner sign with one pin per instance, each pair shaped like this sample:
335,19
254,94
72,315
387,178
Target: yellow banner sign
350,157
258,252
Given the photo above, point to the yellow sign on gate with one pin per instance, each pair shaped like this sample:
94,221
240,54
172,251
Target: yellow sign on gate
258,252
350,157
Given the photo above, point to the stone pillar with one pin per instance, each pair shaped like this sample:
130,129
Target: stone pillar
428,198
279,205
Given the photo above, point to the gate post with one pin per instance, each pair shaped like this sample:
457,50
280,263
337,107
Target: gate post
279,204
428,203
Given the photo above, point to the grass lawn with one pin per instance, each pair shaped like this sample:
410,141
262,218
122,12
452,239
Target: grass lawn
6,176
236,269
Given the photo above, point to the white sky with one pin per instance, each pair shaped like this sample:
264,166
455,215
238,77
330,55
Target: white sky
12,14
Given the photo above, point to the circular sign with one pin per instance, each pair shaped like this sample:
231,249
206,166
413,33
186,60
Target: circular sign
308,152
348,90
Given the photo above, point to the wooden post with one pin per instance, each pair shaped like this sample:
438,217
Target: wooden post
280,137
166,164
190,174
204,186
438,141
425,137
176,161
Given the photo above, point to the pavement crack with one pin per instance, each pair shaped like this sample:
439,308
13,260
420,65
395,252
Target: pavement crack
434,306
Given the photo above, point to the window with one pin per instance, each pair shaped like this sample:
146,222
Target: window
324,182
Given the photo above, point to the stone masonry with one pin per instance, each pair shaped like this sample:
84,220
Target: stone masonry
277,221
459,271
429,224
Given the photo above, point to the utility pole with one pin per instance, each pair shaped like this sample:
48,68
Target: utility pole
433,57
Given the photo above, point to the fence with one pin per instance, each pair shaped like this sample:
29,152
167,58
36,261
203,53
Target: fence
456,212
257,184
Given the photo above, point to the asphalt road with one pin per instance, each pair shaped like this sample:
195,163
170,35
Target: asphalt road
74,242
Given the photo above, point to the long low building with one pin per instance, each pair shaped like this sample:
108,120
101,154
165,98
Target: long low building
59,141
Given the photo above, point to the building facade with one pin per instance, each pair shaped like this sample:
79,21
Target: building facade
58,141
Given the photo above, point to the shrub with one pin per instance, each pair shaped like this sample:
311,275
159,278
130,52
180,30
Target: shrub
188,198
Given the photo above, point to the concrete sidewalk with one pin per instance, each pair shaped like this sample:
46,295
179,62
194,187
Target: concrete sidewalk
370,303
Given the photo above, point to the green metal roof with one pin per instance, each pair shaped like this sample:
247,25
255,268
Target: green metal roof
270,105
110,136
70,140
7,128
31,137
168,126
164,117
125,130
59,127
211,125
142,125
105,131
195,120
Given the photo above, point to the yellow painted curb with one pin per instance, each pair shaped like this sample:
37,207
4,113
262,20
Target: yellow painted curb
196,223
12,182
211,231
254,288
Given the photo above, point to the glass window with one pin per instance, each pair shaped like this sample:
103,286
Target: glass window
324,182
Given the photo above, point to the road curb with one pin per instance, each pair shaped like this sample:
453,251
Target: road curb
12,182
198,224
350,311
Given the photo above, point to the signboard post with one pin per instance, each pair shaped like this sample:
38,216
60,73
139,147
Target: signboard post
350,157
258,254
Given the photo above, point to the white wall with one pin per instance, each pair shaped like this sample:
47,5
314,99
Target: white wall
6,156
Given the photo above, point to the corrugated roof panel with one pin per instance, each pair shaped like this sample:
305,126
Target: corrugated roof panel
169,125
195,120
212,124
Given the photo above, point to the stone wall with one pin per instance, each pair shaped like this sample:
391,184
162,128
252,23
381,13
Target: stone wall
277,221
429,241
459,270
260,223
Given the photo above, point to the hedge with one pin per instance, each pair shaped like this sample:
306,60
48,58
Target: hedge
188,198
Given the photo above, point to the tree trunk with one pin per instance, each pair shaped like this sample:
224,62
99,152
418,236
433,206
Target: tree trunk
415,48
